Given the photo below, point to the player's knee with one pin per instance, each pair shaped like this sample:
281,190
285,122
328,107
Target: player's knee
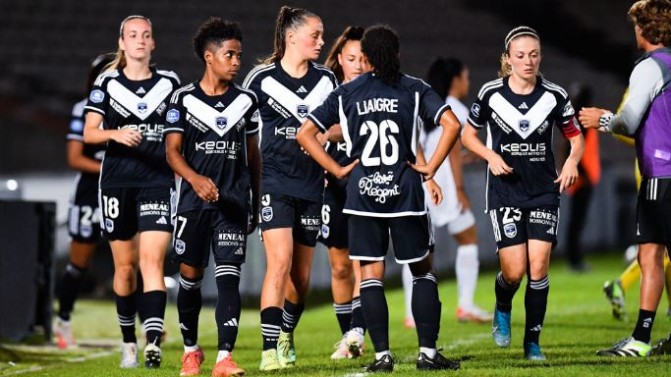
514,277
124,272
341,271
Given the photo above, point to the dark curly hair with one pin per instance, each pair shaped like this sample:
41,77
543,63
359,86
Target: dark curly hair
351,33
287,18
214,32
654,19
381,45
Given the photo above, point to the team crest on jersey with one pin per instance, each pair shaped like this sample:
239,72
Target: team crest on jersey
524,125
97,96
267,213
510,230
222,122
142,107
302,110
109,225
475,109
180,247
172,116
325,231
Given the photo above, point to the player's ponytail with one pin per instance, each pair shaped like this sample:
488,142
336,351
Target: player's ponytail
119,61
287,18
381,45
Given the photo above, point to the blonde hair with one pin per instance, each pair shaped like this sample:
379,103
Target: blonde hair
505,69
654,19
119,61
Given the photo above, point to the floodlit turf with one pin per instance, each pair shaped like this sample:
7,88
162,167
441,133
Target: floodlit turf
577,324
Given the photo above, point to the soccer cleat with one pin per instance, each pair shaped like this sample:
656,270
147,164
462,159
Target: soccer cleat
663,347
628,347
341,349
355,341
532,351
269,360
615,294
63,332
501,328
227,368
286,353
152,356
191,362
129,356
385,364
409,323
439,362
474,314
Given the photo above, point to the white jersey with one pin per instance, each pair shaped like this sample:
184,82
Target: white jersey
450,208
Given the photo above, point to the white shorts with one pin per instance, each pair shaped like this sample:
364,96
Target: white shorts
464,221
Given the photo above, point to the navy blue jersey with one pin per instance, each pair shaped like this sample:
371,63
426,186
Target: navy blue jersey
92,151
379,124
519,129
284,103
140,105
215,130
338,151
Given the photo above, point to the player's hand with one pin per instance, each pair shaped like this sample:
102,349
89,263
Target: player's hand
497,166
568,176
425,170
204,188
344,171
589,116
435,193
462,198
127,137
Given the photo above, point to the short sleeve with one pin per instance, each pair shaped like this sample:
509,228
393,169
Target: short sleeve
76,125
98,100
175,116
431,106
253,118
479,113
327,114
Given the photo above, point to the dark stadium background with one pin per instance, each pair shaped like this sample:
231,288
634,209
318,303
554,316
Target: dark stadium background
47,46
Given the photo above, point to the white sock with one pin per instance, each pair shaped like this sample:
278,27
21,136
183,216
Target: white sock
429,352
407,290
467,266
222,355
379,355
193,348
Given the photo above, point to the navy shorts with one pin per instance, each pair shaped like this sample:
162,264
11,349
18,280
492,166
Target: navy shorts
197,232
84,213
515,226
653,212
334,221
282,211
129,210
369,238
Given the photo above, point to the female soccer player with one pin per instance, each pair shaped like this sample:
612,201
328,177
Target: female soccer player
347,62
450,79
378,115
523,189
136,183
84,214
212,144
289,85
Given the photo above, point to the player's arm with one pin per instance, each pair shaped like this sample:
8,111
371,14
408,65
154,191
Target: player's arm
254,163
569,172
307,138
449,136
74,150
456,163
93,134
470,139
203,186
434,190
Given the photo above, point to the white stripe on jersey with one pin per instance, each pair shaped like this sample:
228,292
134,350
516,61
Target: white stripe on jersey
290,101
175,95
489,86
255,72
244,90
344,126
554,87
131,101
209,116
168,74
536,115
104,75
415,126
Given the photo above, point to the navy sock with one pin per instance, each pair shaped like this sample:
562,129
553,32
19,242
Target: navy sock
227,312
376,313
189,303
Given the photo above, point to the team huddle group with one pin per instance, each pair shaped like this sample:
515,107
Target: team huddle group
351,153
